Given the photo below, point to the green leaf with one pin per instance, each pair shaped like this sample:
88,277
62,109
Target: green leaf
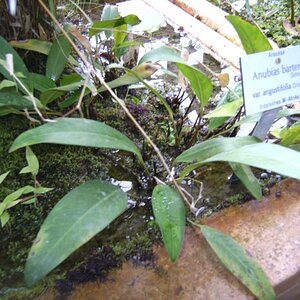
207,149
272,157
169,212
251,36
58,57
189,169
245,174
70,100
74,220
40,47
80,132
41,82
6,84
30,201
3,176
15,101
8,110
32,161
107,24
109,12
42,190
70,78
4,218
235,93
226,110
19,65
33,45
50,95
239,263
201,84
291,136
288,112
15,196
164,53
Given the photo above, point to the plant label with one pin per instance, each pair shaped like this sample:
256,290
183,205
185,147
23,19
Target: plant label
271,79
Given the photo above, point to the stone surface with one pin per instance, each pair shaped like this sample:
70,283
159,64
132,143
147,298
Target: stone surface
269,230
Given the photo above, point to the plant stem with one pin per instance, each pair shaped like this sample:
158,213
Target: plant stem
293,22
120,102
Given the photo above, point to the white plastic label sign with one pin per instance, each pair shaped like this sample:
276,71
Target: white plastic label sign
271,79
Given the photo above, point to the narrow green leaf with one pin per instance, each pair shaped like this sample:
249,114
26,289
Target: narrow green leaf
164,53
13,100
107,24
74,220
169,212
18,64
239,263
8,110
189,169
251,36
227,110
207,149
42,190
245,174
32,161
58,57
33,45
41,82
291,136
40,47
6,84
70,100
288,112
109,12
4,218
50,95
272,157
80,132
232,94
15,196
30,201
201,84
70,78
3,176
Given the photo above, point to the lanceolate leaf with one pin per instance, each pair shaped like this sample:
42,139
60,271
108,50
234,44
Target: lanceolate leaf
13,100
272,157
292,135
169,213
207,149
226,110
106,24
77,217
164,53
58,57
32,161
41,82
19,66
80,132
239,263
251,36
109,12
201,84
3,176
33,45
245,174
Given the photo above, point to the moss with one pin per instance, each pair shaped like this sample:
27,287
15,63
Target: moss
61,167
